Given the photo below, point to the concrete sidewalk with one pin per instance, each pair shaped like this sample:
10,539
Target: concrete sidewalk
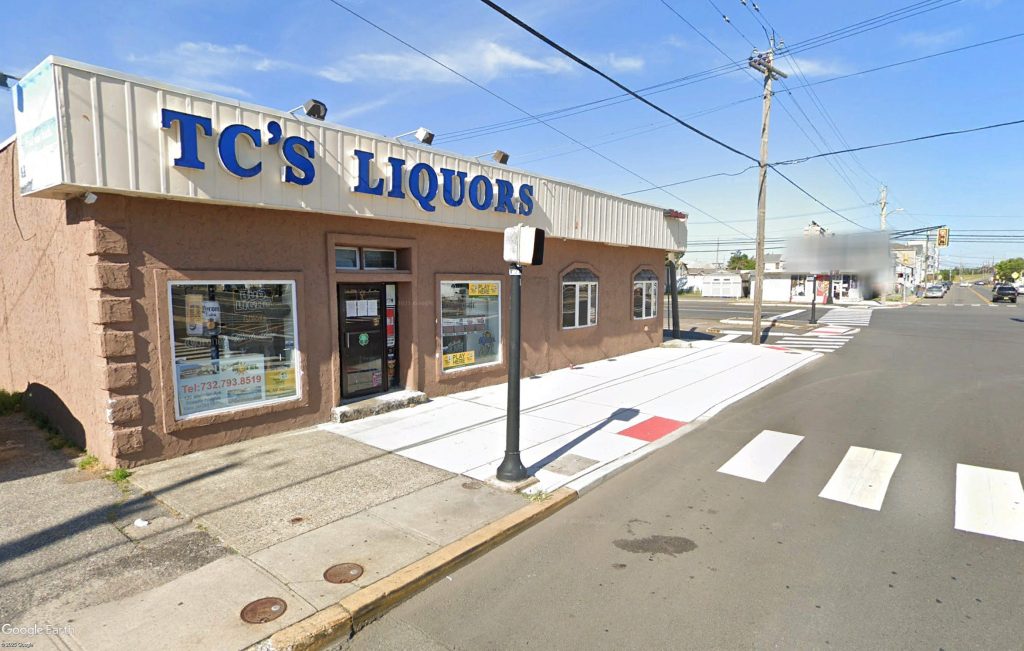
402,496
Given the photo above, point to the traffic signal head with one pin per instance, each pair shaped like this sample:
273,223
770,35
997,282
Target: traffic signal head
943,237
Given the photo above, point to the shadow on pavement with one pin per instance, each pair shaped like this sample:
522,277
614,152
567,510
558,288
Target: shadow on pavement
689,335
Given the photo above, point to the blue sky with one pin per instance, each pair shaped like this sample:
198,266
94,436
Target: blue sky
278,55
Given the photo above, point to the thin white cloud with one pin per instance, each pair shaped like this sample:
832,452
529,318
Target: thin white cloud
215,67
813,67
208,65
928,40
625,63
481,61
359,109
675,41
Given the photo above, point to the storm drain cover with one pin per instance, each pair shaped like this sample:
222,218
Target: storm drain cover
343,573
264,610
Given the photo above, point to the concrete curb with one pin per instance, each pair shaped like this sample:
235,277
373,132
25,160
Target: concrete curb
340,621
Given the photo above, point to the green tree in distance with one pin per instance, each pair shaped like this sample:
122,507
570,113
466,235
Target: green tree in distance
1005,268
740,260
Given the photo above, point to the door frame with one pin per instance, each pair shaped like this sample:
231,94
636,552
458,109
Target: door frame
381,311
412,368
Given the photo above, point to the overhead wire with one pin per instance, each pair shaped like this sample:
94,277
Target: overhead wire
789,89
729,68
891,143
508,102
842,170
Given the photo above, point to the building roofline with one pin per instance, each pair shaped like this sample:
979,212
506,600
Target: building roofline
117,74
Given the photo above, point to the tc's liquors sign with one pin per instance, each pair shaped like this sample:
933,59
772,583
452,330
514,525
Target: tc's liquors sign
421,182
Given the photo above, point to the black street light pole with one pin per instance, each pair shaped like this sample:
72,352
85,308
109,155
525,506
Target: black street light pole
511,468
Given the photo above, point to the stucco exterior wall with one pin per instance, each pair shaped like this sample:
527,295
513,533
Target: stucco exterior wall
176,239
48,349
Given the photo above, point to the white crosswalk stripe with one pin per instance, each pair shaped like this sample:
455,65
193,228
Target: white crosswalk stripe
862,478
758,459
988,501
818,343
847,316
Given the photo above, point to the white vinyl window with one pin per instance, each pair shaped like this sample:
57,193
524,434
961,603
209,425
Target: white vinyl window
346,257
645,295
579,299
380,259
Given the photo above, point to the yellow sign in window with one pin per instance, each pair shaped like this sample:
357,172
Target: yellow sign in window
280,382
483,289
456,360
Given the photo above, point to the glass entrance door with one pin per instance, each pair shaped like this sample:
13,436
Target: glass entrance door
361,314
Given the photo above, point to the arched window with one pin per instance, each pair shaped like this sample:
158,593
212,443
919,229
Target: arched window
645,294
579,298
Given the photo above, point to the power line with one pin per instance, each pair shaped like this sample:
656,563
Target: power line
796,161
699,178
871,24
791,88
763,22
712,73
807,86
654,106
338,4
942,134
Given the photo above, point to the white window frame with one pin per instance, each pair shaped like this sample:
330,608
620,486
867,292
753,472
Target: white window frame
297,354
367,267
646,286
346,248
592,303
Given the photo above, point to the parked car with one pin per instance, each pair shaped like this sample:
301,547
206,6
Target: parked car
934,291
1004,293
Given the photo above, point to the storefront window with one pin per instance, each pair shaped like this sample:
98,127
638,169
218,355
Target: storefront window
579,299
234,344
470,323
645,294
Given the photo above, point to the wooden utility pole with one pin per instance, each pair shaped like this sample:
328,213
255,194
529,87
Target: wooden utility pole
763,64
885,190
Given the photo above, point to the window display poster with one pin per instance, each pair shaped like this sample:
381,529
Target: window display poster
204,385
389,325
280,383
455,360
194,315
470,323
211,317
483,289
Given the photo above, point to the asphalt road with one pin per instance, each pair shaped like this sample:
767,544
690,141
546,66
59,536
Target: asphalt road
674,554
725,309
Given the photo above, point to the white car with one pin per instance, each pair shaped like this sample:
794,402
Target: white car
965,284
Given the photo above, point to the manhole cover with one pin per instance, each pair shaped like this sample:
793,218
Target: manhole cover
343,573
264,610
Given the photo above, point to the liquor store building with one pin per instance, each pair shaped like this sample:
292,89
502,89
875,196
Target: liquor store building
181,270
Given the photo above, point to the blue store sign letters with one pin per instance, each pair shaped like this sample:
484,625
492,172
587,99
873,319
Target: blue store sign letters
422,182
